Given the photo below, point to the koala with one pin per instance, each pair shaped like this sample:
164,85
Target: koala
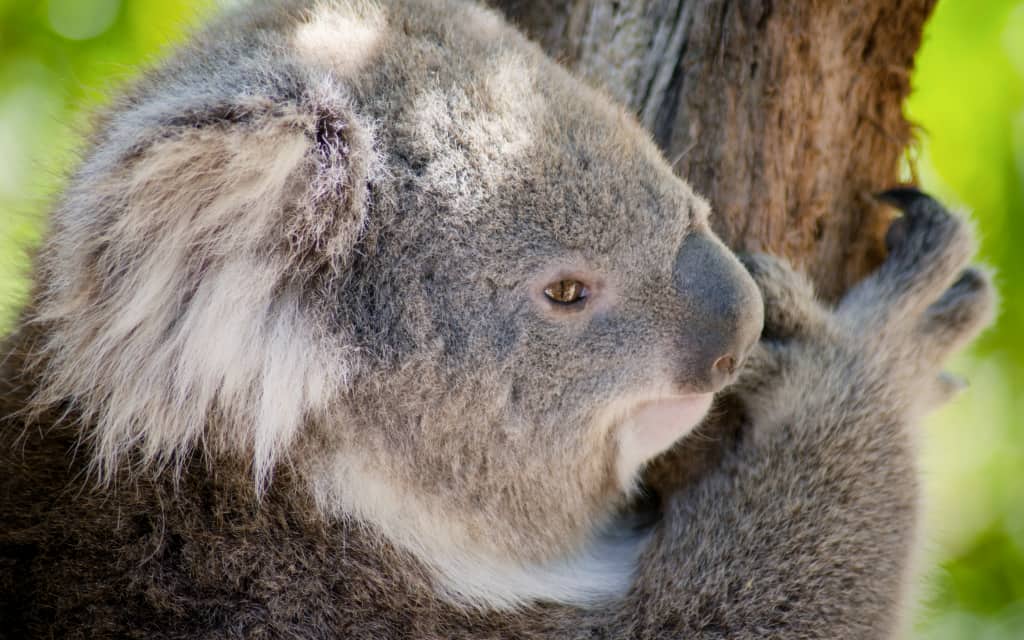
364,320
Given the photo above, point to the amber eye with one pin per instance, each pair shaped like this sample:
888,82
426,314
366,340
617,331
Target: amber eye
566,292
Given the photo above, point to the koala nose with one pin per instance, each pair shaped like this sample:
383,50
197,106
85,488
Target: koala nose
722,314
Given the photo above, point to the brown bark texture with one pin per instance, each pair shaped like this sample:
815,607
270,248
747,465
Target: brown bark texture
787,116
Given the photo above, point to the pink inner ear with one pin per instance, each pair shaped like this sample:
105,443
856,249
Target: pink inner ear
655,426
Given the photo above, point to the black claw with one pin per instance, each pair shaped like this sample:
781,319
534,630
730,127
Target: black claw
970,280
902,197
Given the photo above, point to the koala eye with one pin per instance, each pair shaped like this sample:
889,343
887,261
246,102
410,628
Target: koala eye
566,292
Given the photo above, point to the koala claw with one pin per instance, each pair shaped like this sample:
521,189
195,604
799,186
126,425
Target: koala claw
902,197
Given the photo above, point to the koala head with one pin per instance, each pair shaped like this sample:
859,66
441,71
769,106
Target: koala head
456,288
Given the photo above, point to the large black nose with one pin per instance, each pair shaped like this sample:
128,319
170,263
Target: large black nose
722,313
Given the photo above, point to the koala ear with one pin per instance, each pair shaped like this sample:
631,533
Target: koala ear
258,171
175,280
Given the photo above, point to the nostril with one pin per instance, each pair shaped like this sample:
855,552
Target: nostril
722,371
724,366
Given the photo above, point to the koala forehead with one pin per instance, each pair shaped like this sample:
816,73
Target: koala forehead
485,138
526,162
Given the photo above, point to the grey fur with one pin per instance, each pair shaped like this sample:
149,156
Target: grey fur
290,316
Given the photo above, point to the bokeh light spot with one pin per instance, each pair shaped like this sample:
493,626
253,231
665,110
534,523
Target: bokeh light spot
82,19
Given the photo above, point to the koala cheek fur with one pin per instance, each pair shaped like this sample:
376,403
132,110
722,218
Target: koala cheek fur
292,366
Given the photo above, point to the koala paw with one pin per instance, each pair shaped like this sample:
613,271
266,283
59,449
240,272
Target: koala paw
792,313
789,302
924,302
891,333
928,247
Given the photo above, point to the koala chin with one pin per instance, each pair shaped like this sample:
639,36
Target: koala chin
360,320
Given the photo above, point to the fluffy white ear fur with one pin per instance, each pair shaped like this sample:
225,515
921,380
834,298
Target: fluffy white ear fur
175,285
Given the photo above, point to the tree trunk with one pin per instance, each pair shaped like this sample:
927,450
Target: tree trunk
787,116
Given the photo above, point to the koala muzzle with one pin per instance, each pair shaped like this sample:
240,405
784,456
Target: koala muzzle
722,314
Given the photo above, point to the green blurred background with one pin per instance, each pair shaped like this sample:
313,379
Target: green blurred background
59,57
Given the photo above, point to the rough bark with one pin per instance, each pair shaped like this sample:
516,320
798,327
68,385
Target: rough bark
787,116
